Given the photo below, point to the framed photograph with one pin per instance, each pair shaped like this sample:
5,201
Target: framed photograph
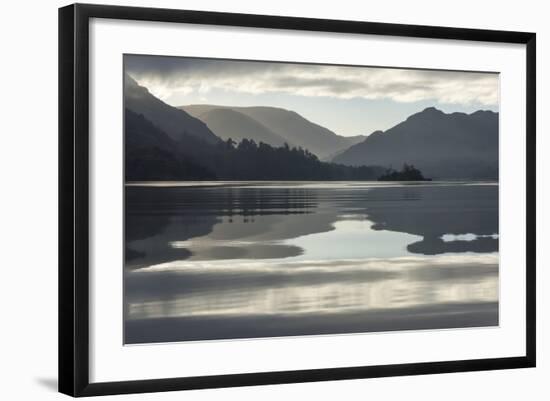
250,199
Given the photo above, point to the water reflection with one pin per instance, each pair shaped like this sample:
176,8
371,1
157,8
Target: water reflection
158,217
434,212
238,260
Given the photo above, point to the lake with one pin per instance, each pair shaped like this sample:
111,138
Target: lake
227,260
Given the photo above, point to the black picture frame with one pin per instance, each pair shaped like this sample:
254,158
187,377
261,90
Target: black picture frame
74,201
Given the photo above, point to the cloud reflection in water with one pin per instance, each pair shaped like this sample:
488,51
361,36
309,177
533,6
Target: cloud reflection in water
196,288
242,260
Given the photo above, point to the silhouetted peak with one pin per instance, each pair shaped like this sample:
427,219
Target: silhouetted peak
483,113
441,145
428,112
431,111
375,134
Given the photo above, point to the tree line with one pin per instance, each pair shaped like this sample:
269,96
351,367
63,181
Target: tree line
153,155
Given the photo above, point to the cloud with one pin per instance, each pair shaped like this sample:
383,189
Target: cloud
166,76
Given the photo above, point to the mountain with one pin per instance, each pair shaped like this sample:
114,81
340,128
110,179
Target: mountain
140,133
288,125
356,139
172,121
454,146
152,155
352,140
227,123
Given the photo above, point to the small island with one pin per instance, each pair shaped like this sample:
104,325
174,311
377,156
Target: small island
408,173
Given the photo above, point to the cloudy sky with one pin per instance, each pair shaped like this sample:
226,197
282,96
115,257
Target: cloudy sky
347,100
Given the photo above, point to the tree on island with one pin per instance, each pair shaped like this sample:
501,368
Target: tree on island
408,173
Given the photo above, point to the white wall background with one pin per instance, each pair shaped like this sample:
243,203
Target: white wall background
28,227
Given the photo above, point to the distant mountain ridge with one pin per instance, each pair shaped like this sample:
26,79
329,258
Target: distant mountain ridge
164,143
151,155
227,123
276,123
441,145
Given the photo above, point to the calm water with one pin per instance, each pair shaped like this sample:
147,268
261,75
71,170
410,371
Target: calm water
241,260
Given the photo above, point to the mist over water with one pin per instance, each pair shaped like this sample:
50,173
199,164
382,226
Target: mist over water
224,260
